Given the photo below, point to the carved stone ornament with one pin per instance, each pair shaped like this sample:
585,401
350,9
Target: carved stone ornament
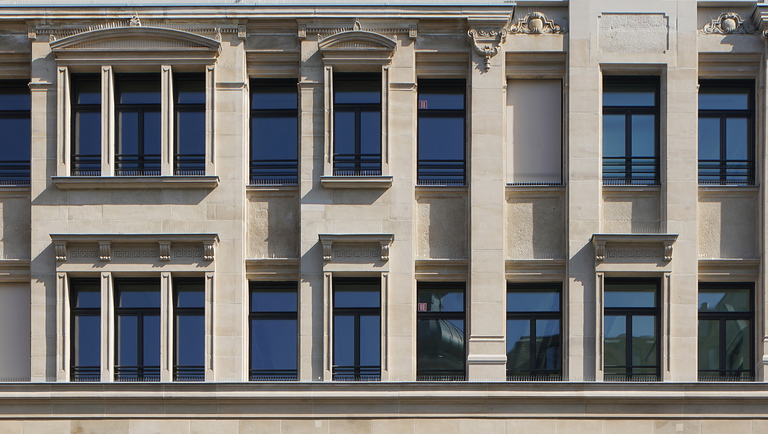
165,250
134,21
208,250
487,43
358,249
61,250
600,251
536,23
105,251
728,23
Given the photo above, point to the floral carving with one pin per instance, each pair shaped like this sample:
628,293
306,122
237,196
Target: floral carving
536,23
727,23
135,21
487,43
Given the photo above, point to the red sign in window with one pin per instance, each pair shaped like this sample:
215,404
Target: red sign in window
422,103
422,307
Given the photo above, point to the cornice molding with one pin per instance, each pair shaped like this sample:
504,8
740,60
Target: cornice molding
383,240
357,39
135,38
600,240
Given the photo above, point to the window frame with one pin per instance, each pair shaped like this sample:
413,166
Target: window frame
722,318
724,115
144,373
141,109
533,316
629,166
423,165
89,373
358,371
192,159
291,167
188,373
272,286
19,171
628,313
75,108
358,108
442,375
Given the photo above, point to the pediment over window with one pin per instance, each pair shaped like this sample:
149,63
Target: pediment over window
358,40
133,39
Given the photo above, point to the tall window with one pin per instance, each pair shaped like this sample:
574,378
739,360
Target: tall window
356,329
137,316
85,329
357,124
189,118
726,332
86,125
440,332
137,107
274,331
630,131
631,349
189,329
726,132
442,119
274,132
533,332
15,105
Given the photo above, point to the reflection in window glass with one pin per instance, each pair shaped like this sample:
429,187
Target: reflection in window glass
441,337
441,123
274,132
85,328
189,329
726,346
533,332
137,316
630,324
274,331
15,104
356,329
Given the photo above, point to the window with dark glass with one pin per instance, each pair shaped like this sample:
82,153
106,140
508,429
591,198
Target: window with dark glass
189,329
85,329
86,125
631,130
441,134
357,124
274,132
533,332
189,119
726,132
441,332
726,332
631,330
137,108
15,105
137,317
356,329
274,331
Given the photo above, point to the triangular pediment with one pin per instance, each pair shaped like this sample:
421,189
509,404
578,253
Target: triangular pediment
357,40
123,39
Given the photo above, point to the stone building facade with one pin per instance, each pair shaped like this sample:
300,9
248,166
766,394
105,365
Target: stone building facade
468,217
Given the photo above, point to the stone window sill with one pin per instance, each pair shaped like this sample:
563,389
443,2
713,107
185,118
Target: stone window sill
133,182
356,181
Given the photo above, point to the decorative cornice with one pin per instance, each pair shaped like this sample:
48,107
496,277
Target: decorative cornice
536,23
105,242
726,24
133,182
600,240
358,39
487,43
384,241
323,33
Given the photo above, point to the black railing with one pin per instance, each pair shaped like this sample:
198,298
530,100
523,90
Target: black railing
188,373
726,172
543,375
137,165
189,164
727,376
439,375
137,373
14,172
274,172
441,172
356,165
85,373
357,373
86,165
273,375
630,171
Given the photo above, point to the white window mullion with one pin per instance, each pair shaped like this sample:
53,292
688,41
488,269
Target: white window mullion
107,328
63,122
166,141
166,327
107,121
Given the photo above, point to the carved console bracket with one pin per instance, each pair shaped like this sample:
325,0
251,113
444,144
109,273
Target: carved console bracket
382,241
165,250
487,43
106,241
105,251
633,247
726,24
536,23
61,250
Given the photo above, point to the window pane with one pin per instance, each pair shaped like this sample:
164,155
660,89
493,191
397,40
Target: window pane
87,335
547,344
533,300
450,97
723,98
88,299
190,340
630,295
643,136
445,300
724,300
273,344
142,91
709,345
87,133
140,299
736,141
644,343
737,344
709,139
614,136
615,340
441,138
15,98
370,132
88,91
129,129
346,298
190,133
344,340
274,301
152,121
274,97
518,344
344,133
440,345
17,135
275,138
190,91
370,340
127,340
193,299
357,89
624,95
151,338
